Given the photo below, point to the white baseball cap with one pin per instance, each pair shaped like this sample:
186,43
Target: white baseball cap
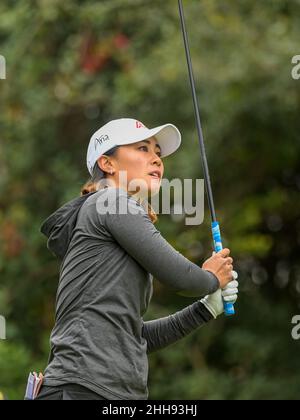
127,131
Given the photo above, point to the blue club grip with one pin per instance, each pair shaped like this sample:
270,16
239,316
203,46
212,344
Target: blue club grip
228,307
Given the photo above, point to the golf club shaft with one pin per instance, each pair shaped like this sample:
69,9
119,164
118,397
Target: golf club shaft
228,307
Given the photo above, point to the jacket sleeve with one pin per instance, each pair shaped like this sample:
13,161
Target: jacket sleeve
132,228
162,332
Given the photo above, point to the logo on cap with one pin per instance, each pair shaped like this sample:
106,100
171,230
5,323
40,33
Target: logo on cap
138,124
100,140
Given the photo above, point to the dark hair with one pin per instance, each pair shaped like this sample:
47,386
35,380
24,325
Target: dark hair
96,180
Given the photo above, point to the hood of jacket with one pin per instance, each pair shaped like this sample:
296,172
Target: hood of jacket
59,226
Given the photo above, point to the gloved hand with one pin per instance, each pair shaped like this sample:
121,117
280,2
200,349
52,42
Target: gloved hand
214,303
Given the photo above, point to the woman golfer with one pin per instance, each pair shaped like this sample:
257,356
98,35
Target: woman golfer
110,251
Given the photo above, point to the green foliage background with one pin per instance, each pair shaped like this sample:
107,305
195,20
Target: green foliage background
74,65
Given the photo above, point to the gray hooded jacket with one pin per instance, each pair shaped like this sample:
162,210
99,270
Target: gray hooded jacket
109,258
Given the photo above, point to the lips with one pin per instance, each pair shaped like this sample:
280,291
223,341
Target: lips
155,174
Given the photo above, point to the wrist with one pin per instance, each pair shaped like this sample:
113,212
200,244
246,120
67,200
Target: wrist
208,307
215,279
214,303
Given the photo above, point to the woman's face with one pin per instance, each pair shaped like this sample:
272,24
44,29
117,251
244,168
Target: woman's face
139,160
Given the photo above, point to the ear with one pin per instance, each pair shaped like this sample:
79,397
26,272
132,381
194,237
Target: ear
104,163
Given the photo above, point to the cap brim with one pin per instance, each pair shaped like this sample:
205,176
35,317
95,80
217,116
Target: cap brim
168,137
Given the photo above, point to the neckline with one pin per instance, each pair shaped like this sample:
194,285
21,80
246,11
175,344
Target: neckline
137,200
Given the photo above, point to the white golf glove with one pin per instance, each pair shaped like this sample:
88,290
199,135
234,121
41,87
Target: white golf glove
214,303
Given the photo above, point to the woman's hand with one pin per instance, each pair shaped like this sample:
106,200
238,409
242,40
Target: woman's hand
220,264
214,303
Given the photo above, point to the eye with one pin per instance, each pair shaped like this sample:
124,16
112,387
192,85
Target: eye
146,147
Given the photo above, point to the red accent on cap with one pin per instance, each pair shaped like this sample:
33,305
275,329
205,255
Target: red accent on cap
138,124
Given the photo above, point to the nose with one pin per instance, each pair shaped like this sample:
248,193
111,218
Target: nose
156,159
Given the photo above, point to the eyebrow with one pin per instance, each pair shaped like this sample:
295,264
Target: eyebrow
148,142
